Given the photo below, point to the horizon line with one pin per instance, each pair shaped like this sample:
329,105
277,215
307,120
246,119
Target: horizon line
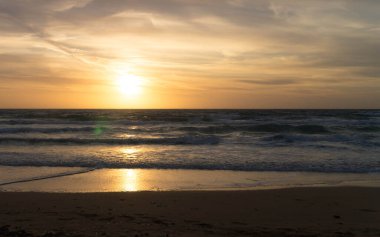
189,108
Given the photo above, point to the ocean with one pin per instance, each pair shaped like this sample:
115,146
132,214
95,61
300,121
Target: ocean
339,141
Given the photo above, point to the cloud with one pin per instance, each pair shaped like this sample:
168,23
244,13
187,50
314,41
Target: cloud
257,44
278,82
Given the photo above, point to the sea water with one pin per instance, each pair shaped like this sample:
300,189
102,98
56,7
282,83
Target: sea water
338,141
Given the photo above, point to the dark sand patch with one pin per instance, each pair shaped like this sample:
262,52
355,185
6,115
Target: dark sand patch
286,212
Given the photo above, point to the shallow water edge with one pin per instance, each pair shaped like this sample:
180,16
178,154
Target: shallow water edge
64,179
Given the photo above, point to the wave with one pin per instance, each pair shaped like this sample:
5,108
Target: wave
45,130
264,128
254,166
31,116
368,129
186,140
213,129
287,139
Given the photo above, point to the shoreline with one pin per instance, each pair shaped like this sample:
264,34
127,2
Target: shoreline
80,202
317,211
82,180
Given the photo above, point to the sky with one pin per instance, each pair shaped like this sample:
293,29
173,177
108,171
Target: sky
189,54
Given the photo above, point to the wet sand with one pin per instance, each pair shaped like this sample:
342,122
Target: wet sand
332,211
74,180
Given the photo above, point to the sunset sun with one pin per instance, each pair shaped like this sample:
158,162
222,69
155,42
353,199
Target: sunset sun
129,85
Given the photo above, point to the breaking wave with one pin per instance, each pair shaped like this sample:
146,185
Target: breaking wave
44,130
188,140
265,128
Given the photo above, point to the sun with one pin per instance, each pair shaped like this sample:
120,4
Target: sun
129,84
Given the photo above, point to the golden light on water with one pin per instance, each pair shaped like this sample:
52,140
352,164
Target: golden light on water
130,180
130,153
130,177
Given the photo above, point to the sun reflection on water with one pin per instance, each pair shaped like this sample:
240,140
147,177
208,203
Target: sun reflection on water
125,135
130,153
130,180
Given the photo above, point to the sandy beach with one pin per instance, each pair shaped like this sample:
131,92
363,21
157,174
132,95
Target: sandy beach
333,211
